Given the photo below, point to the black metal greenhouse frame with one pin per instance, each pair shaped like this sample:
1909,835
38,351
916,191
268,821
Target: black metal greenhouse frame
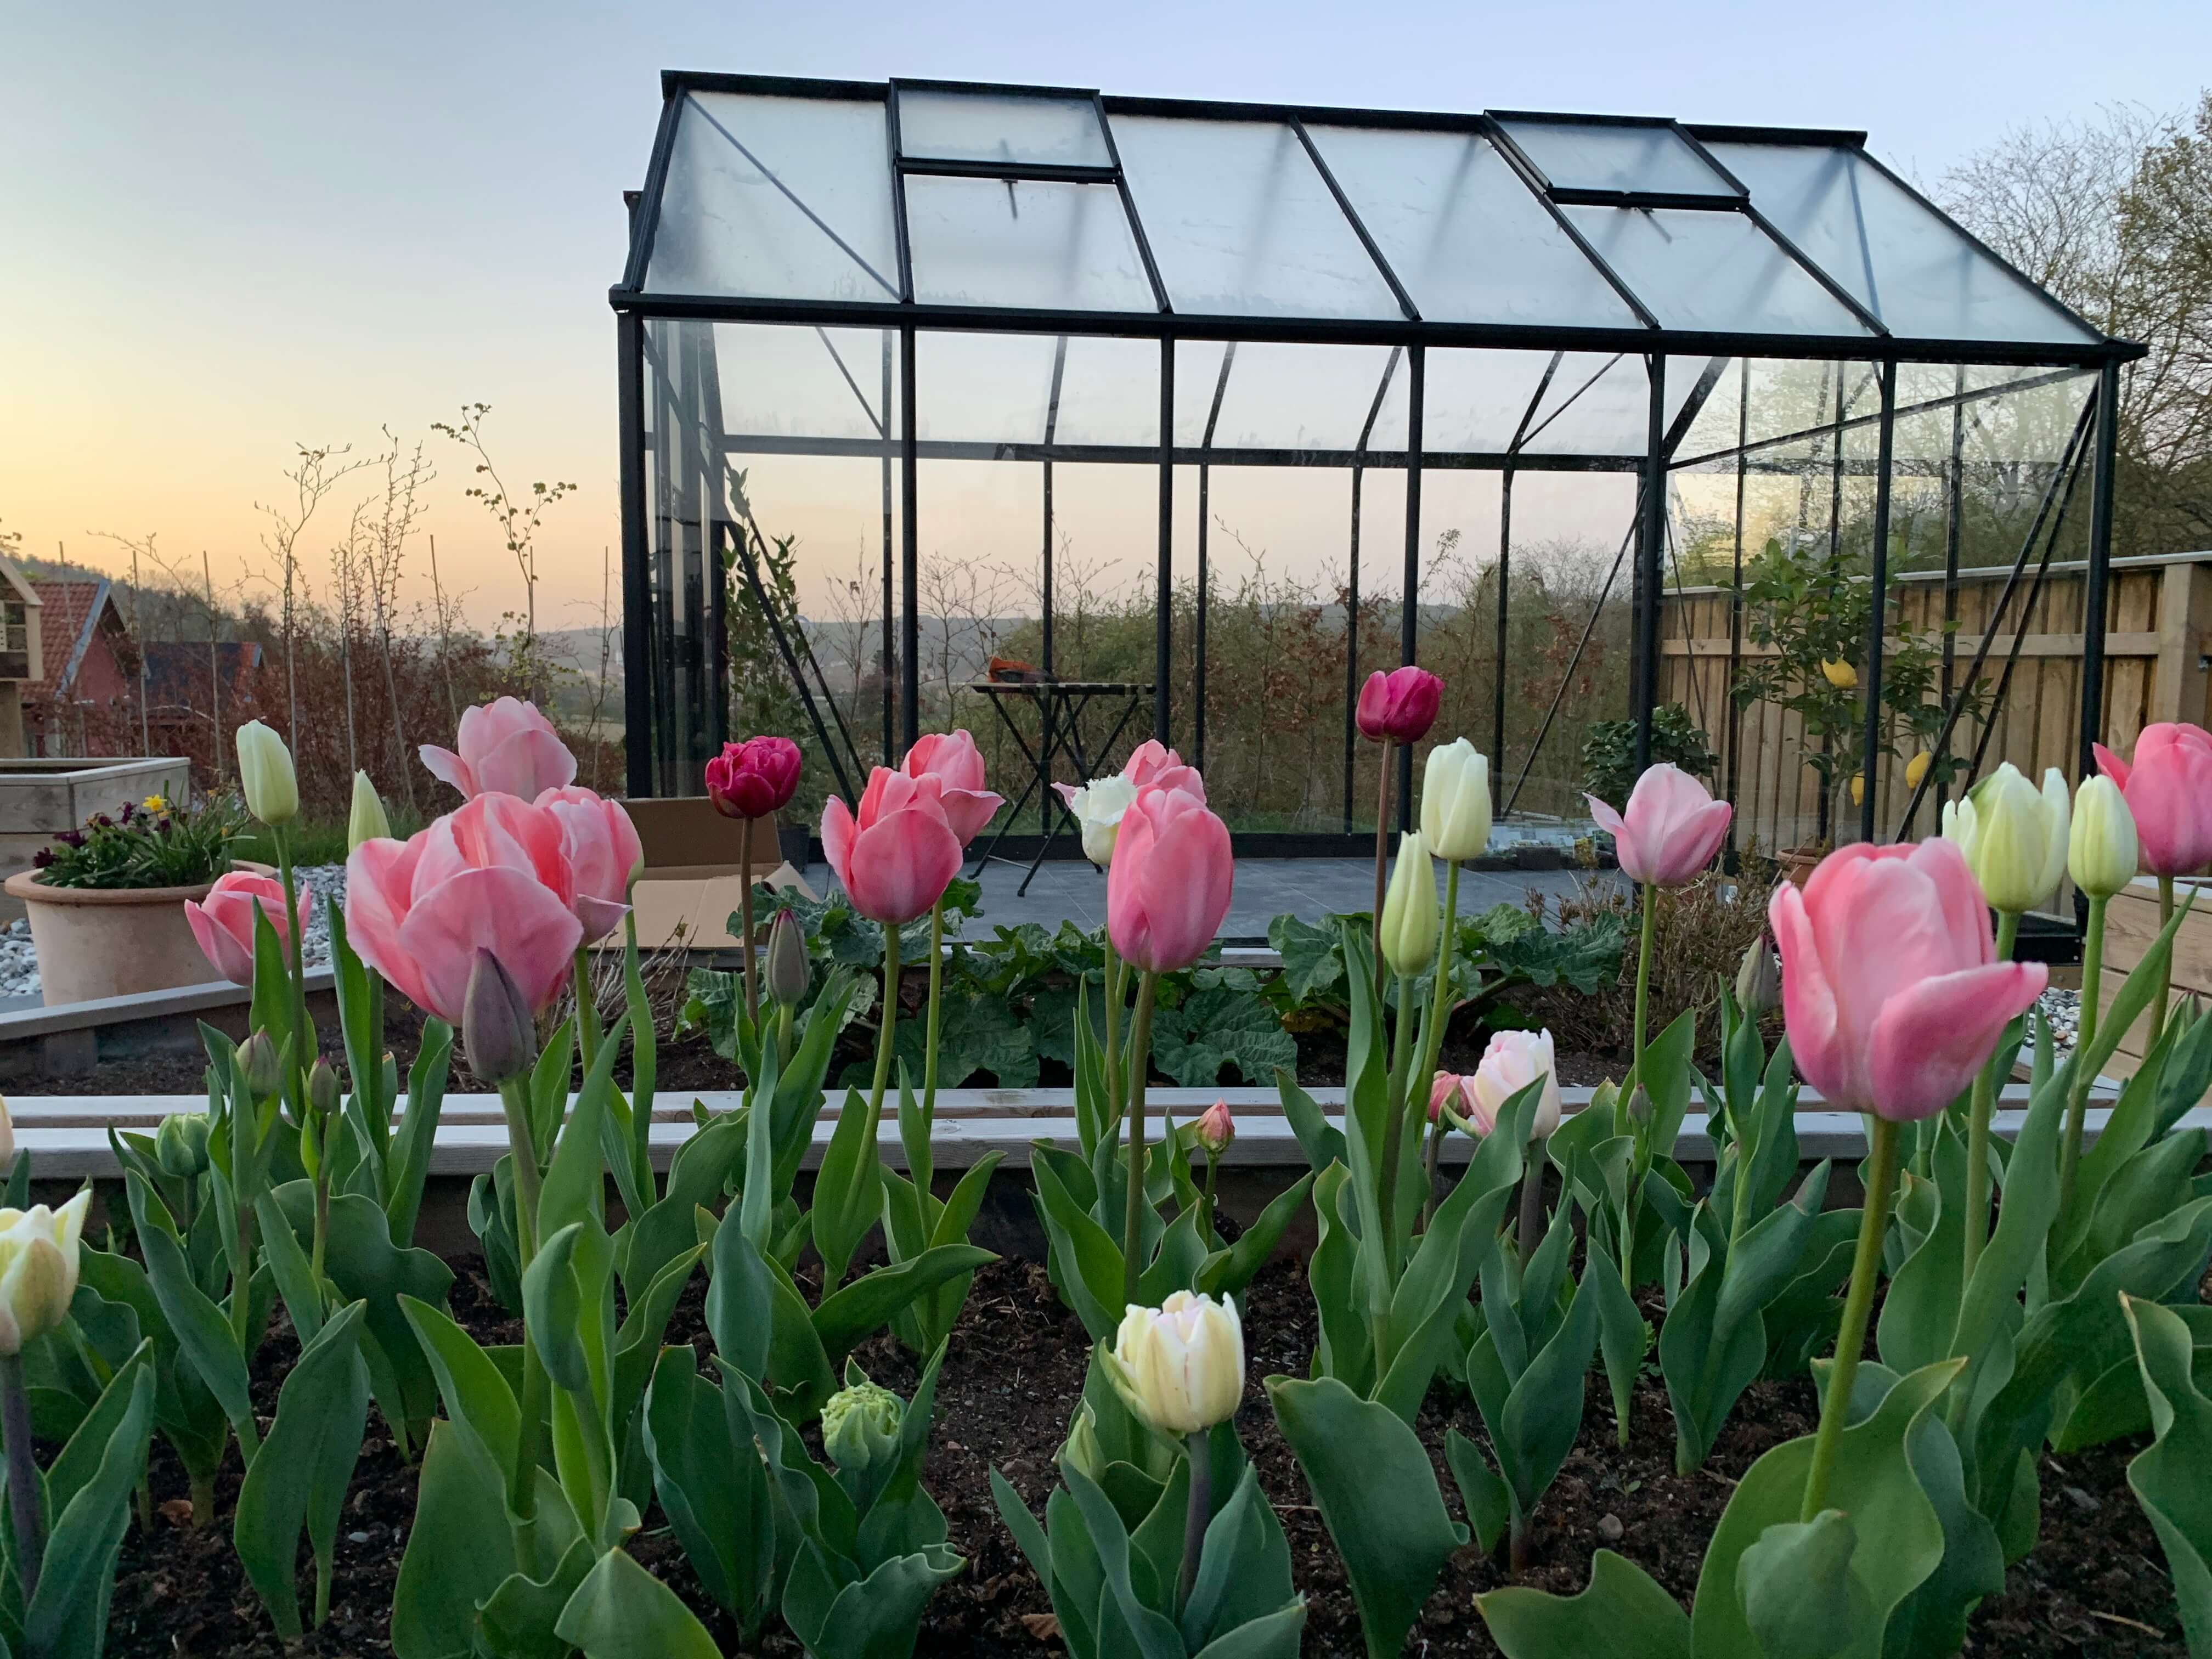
1408,336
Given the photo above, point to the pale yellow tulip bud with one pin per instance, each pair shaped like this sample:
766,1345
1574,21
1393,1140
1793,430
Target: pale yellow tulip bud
1456,802
2014,836
368,821
1412,920
2102,855
264,771
1181,1365
37,1269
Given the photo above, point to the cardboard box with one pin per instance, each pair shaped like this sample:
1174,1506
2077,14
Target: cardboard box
693,882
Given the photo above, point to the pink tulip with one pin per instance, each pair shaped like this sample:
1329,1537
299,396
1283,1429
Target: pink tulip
1400,706
507,748
222,922
897,857
752,778
1170,881
1152,763
2169,791
1513,1060
949,764
1215,1128
1671,830
1891,987
603,853
1457,1092
493,875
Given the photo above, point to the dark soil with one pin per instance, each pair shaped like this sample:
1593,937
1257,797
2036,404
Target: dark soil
2096,1584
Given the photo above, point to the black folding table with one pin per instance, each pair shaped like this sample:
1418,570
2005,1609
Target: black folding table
1060,705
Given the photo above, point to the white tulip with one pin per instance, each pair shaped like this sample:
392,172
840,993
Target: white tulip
2102,853
1098,806
1411,916
1456,801
2014,837
264,771
37,1269
1181,1365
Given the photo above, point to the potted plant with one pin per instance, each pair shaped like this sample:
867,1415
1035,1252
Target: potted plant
108,902
1805,604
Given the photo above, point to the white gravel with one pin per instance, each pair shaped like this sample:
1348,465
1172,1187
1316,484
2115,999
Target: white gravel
2063,1010
19,959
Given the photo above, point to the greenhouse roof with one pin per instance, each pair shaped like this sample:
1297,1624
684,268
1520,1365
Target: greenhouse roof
1034,210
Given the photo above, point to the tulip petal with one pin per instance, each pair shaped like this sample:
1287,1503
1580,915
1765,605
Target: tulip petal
448,768
501,909
218,946
1930,1038
1808,1000
526,764
2110,765
900,865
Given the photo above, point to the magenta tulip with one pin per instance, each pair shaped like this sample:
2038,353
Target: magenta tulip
604,852
1170,884
948,765
1890,986
1671,830
222,922
897,856
493,875
507,748
1400,706
2169,791
752,778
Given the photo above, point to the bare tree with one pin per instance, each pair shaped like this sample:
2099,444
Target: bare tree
517,520
383,551
444,611
315,474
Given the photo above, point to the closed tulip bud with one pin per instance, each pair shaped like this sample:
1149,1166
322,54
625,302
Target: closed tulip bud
1215,1129
497,1030
1639,1106
2014,837
1917,768
1411,914
860,1426
262,1065
264,771
787,971
368,821
181,1145
1759,979
1843,676
1081,1448
1456,801
37,1269
2102,855
1399,707
322,1086
1180,1366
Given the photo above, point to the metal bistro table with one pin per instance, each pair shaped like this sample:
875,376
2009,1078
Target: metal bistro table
1060,705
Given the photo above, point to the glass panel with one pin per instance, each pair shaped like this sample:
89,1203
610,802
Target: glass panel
1899,258
972,126
1289,397
1463,233
782,198
982,388
1002,242
1110,393
1241,224
1596,403
790,383
1710,270
1598,156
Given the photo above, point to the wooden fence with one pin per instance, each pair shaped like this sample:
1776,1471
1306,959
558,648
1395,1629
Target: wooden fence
2158,632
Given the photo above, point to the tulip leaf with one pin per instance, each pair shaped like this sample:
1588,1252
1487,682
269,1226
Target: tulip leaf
1322,1141
1227,1272
620,1611
1623,1611
479,1401
712,1488
1799,1596
311,1449
409,1170
2168,1477
1931,1622
518,1619
107,1458
1376,1491
1489,1505
204,1335
1873,1482
848,1188
1086,1258
575,1181
850,1316
637,1342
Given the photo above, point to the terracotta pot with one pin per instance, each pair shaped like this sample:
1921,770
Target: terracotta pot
1795,864
110,942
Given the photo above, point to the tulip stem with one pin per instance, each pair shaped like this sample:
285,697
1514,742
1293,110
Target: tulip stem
1978,1125
587,1011
1440,997
522,1485
1532,1198
2077,1104
885,1031
745,922
1850,1336
522,1148
1198,1451
1205,1202
1381,851
23,1475
1112,990
303,1040
2165,970
1140,1048
1429,1166
1642,996
1394,1125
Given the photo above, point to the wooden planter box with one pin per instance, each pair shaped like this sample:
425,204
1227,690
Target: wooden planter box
2131,928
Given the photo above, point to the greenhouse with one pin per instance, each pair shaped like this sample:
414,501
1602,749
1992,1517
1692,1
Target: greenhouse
915,363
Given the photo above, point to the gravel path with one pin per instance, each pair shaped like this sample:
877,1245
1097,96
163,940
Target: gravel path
19,960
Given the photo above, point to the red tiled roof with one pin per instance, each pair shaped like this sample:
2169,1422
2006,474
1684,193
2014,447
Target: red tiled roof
66,607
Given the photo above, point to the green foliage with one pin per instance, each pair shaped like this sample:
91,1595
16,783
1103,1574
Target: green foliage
1609,751
150,843
2168,1477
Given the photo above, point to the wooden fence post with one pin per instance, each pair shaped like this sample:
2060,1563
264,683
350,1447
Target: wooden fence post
2181,688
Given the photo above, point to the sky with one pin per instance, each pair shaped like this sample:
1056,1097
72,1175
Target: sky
233,229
